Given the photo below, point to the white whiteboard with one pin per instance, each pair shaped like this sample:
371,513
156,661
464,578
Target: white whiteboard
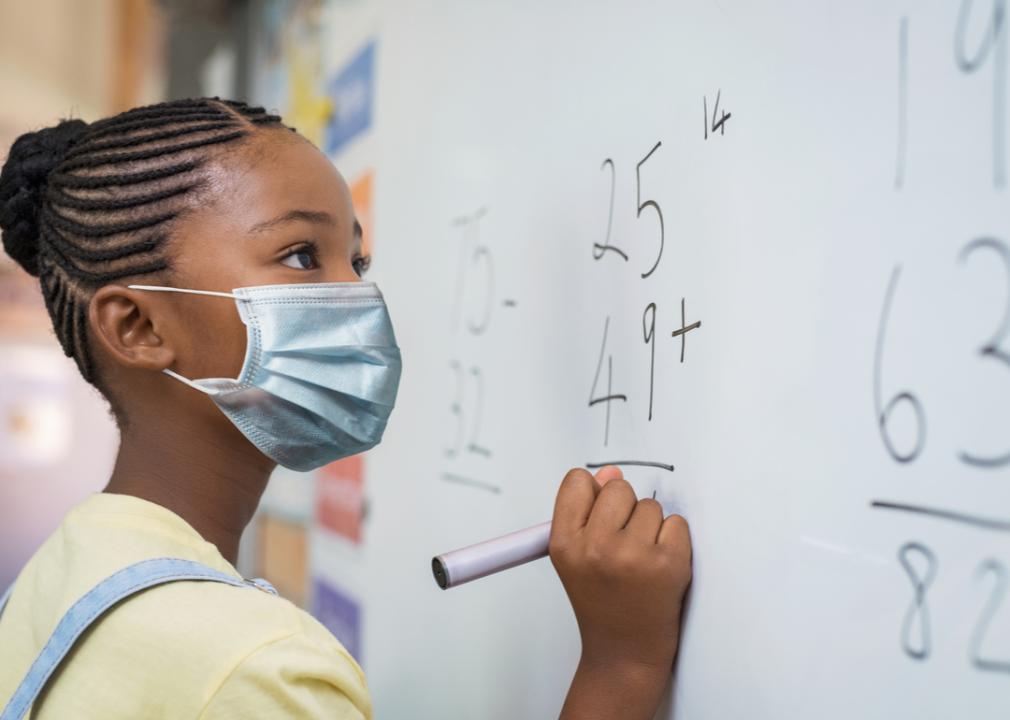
864,152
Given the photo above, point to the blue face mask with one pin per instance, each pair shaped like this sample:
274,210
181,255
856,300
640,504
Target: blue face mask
321,370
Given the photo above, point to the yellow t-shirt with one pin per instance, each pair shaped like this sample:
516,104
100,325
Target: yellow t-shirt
188,649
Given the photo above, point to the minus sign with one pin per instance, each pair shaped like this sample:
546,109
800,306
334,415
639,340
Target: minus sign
638,463
509,303
463,480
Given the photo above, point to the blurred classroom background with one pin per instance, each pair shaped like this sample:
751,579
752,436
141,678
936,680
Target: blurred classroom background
94,58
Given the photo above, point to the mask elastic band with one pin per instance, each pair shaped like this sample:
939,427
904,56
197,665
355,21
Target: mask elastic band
162,288
189,382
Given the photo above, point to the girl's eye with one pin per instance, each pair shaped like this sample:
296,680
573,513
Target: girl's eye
301,259
361,264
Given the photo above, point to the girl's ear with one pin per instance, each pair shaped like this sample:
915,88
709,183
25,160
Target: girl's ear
123,322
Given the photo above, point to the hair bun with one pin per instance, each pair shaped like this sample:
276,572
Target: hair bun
22,186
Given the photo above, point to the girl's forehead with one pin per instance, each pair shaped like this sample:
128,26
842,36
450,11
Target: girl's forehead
276,176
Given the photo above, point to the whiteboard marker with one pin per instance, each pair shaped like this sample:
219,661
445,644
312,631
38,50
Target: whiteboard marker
491,556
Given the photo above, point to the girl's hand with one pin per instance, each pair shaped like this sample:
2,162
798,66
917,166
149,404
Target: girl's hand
625,570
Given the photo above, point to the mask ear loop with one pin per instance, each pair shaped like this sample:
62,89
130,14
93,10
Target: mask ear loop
214,293
189,382
162,288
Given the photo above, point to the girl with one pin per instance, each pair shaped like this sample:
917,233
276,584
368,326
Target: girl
181,245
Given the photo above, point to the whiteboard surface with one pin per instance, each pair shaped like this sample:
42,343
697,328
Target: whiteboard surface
848,167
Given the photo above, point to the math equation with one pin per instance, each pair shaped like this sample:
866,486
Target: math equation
903,414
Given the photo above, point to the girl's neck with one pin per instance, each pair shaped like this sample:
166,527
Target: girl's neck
213,483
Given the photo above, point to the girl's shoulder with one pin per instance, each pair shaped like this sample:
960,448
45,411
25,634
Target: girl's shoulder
195,641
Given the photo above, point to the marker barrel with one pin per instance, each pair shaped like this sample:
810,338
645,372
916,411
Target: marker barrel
486,558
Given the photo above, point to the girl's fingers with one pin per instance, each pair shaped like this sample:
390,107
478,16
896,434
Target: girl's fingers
575,500
646,521
613,507
674,533
607,473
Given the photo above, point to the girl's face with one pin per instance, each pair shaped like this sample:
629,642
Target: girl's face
278,213
282,214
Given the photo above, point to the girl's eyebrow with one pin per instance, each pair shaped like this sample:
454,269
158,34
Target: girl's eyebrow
358,232
313,216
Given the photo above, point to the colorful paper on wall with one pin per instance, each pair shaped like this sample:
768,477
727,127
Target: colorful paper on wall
351,92
340,614
361,199
283,557
340,497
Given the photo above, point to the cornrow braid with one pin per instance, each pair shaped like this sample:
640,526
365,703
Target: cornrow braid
84,205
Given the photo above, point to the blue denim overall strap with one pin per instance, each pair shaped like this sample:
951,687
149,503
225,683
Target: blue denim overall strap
4,598
118,586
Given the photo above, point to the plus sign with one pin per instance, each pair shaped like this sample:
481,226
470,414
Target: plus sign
684,329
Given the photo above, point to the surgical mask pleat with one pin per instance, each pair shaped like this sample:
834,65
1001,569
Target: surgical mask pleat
357,374
294,326
304,431
289,386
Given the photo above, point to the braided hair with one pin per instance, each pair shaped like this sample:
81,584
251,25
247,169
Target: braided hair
83,205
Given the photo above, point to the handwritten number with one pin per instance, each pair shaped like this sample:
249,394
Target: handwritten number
992,605
598,249
718,121
477,327
649,333
991,36
456,409
993,43
480,254
884,411
457,296
917,614
647,204
719,125
610,396
899,172
993,348
474,446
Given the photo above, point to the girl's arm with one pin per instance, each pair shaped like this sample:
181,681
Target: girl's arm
625,570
